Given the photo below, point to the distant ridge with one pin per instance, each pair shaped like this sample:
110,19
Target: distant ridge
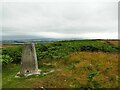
34,38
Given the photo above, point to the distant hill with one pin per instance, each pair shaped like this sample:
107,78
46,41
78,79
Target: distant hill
22,38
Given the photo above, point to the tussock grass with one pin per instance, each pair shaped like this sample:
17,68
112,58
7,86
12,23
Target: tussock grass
82,70
77,70
77,64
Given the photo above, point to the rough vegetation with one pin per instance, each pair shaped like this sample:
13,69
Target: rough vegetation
77,64
61,49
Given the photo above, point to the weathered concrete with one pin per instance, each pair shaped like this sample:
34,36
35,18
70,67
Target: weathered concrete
29,64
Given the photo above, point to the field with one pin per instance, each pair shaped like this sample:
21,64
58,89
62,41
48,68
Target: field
76,64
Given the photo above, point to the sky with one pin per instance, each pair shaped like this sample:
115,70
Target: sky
86,20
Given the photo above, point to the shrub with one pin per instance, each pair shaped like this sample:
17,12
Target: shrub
14,52
5,59
89,48
56,50
60,49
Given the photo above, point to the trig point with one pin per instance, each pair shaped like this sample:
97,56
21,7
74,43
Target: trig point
29,64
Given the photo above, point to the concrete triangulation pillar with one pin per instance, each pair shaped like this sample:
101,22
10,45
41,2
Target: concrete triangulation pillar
29,64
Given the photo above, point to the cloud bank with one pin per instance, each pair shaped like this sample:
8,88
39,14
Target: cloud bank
91,20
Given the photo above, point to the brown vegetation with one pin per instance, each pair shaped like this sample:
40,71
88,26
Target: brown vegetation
112,42
76,71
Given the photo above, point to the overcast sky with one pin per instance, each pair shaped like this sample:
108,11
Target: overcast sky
91,20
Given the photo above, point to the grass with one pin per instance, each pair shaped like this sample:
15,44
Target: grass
9,80
111,42
77,70
77,64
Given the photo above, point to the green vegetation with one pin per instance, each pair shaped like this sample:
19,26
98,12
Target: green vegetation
5,59
60,49
13,52
77,64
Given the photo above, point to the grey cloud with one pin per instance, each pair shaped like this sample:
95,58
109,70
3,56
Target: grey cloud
66,18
